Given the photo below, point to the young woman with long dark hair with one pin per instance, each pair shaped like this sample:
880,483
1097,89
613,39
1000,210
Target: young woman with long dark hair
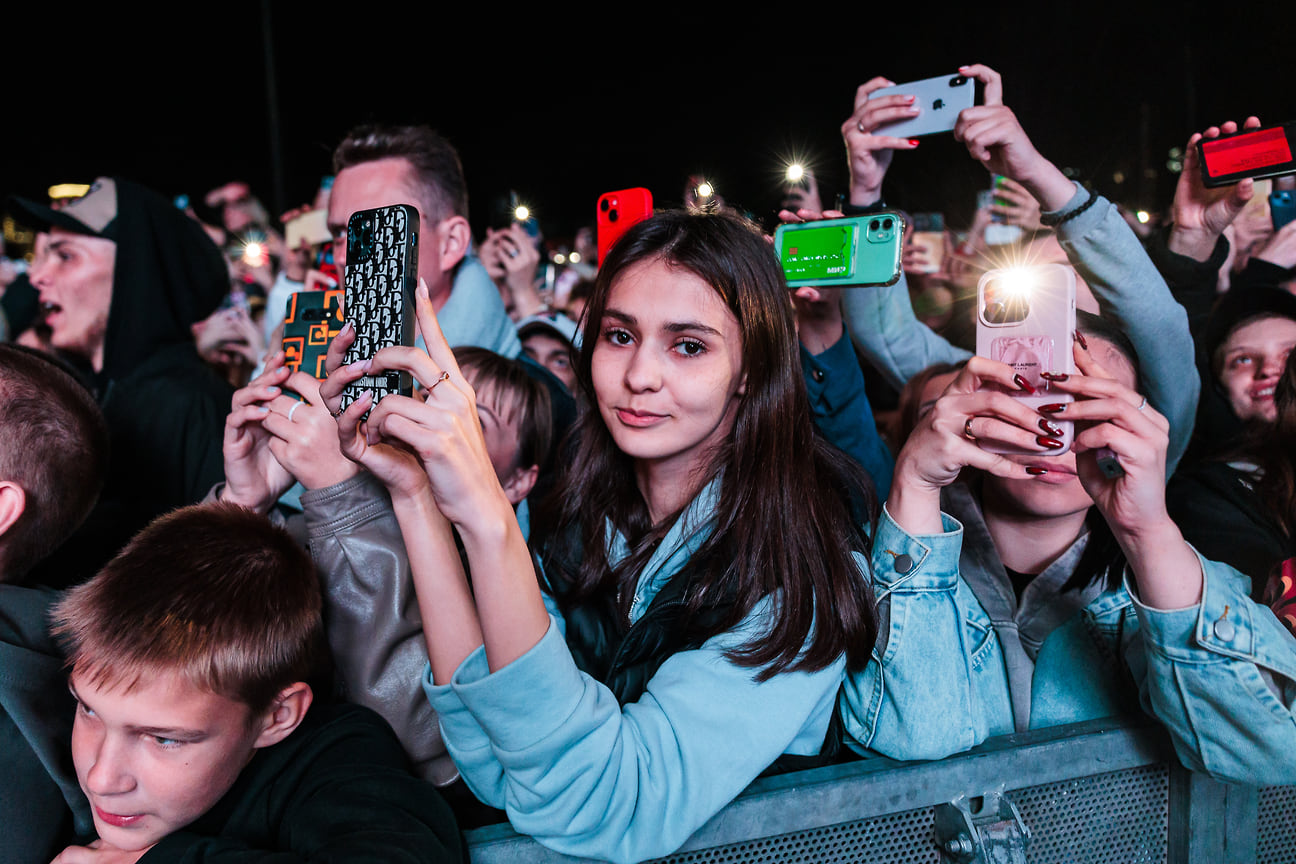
708,554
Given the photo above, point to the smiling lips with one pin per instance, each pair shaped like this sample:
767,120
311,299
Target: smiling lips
117,820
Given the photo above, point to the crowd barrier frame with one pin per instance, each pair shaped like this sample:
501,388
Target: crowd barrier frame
1100,791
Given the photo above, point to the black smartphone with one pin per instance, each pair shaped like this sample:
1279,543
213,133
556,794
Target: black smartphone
381,275
1256,153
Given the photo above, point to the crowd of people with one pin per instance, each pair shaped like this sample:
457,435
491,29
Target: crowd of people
640,533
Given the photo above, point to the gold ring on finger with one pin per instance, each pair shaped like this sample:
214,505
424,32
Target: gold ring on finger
967,429
444,376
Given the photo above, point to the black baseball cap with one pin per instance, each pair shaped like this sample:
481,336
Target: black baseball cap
94,213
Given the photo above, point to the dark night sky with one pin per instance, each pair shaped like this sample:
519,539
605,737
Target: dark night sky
563,112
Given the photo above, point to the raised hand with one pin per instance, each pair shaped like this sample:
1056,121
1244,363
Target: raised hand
869,155
1200,214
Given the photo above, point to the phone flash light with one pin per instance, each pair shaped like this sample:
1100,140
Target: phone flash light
704,190
1016,282
574,257
1143,216
522,213
795,172
254,254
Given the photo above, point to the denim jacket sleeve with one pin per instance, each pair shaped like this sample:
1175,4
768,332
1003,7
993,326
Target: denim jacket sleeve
1132,295
371,614
935,685
1219,676
589,777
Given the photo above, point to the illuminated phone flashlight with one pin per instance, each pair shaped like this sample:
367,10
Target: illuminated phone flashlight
522,213
795,172
255,253
1007,297
1143,216
705,189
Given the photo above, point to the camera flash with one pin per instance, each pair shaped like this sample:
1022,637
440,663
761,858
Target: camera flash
704,190
795,172
522,213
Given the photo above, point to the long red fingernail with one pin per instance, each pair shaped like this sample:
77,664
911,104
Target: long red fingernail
1054,376
1051,443
913,142
1049,428
1053,408
1080,338
1035,470
1023,384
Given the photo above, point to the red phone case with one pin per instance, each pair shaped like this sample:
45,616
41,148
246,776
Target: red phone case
617,212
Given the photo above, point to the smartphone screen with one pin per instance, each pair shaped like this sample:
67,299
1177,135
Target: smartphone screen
1259,153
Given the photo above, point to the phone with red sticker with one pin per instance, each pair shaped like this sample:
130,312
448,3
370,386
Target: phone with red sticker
1026,318
1254,153
617,212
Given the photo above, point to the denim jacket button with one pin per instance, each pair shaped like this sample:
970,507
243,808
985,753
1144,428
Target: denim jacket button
1225,630
817,374
903,563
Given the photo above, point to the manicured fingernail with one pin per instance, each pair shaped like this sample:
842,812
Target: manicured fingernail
1051,443
910,98
1080,338
1055,376
347,328
1053,408
1050,428
422,289
274,391
358,366
1035,470
263,409
1023,384
913,142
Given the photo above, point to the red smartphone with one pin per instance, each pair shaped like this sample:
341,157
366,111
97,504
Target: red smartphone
1256,153
617,212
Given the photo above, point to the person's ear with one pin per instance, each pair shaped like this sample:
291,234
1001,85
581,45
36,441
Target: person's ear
13,503
519,484
285,714
454,236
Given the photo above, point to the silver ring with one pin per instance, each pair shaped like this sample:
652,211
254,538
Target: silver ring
1142,404
294,407
967,429
860,126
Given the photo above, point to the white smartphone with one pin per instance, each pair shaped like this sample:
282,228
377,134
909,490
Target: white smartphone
1026,318
939,101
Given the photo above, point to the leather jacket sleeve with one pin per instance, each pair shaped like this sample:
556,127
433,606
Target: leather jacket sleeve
371,614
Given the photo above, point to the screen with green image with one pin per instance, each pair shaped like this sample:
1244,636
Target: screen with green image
819,251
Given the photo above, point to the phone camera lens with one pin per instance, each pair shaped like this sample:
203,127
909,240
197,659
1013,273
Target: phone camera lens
612,215
873,226
958,81
886,224
603,205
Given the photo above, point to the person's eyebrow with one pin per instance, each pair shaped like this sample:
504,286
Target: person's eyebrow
57,244
673,327
174,733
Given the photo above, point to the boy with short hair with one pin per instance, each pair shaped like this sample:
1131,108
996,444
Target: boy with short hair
191,657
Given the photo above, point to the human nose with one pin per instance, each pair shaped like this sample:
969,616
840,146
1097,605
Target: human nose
643,372
1272,366
108,774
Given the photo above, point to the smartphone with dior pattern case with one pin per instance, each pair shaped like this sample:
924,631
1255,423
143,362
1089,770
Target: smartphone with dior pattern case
381,275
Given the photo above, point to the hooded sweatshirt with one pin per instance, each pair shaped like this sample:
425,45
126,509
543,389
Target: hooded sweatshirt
164,408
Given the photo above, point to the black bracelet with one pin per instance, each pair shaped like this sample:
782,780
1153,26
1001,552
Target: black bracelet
1054,221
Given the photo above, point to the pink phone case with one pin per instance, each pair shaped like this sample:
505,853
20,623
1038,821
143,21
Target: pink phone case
1026,318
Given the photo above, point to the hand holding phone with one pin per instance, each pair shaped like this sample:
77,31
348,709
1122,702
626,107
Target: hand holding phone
868,152
934,104
1200,213
1026,319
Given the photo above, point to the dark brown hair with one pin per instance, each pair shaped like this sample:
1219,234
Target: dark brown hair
211,591
790,505
54,444
1276,453
508,389
433,159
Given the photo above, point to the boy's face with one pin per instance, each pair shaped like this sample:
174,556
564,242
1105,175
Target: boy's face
153,759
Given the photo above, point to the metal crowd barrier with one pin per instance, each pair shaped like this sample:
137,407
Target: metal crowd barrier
1096,792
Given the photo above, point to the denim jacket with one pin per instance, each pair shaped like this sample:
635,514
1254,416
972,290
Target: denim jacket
1219,676
958,660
